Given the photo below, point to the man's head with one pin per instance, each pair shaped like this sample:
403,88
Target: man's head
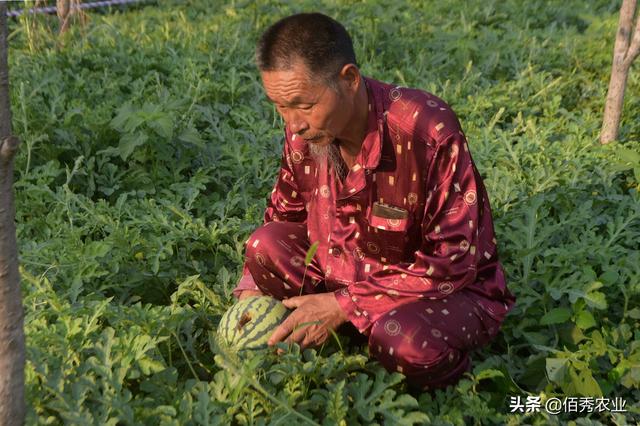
319,42
309,72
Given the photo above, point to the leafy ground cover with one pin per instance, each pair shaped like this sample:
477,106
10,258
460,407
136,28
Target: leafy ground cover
149,150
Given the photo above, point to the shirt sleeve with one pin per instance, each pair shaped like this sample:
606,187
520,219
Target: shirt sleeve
284,204
447,259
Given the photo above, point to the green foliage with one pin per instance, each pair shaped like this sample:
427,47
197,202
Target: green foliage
149,151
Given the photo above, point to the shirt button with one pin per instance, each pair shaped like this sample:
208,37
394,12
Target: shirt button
336,251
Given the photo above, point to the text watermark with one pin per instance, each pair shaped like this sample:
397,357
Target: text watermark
568,404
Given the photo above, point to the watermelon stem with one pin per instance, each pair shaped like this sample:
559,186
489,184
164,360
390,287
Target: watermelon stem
185,356
337,339
304,324
307,261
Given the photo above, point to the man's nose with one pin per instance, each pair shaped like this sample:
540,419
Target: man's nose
296,123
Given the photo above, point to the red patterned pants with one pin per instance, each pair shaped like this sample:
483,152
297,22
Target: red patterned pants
427,340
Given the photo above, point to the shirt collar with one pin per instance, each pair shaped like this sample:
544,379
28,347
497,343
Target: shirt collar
371,149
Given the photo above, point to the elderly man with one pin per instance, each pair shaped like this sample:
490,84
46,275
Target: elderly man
381,177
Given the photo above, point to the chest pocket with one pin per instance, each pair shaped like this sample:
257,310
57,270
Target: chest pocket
387,235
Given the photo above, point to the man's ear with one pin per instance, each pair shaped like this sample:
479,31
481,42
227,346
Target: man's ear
350,77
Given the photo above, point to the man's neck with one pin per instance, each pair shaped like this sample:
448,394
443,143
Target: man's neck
351,142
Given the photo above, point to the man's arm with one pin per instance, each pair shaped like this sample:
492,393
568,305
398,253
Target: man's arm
451,240
284,204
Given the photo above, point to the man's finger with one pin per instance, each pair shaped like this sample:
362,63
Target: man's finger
282,330
308,341
292,302
301,332
297,336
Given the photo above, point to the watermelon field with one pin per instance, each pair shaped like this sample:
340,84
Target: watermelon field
148,152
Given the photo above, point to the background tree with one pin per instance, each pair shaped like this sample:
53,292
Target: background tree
625,51
12,357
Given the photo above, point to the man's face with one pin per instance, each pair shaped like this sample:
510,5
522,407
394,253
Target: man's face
310,108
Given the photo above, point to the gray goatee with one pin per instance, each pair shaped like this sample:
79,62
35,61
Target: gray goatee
332,153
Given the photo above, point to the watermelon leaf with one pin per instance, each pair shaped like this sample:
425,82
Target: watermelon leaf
557,369
556,316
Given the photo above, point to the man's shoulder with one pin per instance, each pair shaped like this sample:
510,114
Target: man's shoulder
418,113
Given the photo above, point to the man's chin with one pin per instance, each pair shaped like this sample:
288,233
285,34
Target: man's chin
319,147
317,150
331,153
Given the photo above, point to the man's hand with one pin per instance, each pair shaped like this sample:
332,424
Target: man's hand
248,293
311,321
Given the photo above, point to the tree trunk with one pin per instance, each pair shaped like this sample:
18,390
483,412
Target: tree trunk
12,354
626,49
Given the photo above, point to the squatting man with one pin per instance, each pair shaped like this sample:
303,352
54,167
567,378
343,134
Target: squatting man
381,177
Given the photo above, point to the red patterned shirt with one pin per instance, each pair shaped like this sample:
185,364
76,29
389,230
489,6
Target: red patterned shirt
411,220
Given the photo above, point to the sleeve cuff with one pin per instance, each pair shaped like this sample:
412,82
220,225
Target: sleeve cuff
245,283
356,317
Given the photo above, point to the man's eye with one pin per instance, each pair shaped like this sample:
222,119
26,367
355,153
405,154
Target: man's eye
306,107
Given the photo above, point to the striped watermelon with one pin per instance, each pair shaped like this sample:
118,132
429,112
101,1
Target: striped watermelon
249,323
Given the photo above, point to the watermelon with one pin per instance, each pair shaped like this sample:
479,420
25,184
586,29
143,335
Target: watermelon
248,324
